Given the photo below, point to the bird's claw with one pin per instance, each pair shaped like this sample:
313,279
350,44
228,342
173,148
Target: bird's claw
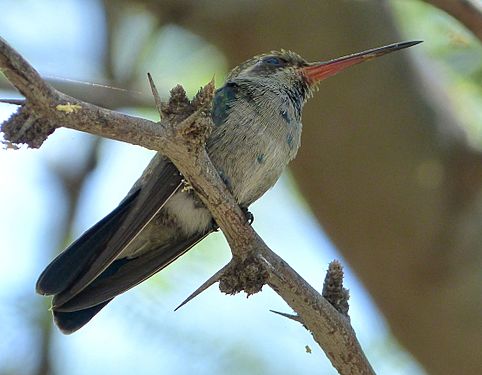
249,218
249,215
214,225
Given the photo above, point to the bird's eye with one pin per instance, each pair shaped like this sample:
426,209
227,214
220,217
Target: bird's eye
273,60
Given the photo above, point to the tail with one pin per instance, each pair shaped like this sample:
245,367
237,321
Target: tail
69,322
69,265
89,273
122,275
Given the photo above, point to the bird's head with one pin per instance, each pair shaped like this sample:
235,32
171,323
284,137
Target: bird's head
288,70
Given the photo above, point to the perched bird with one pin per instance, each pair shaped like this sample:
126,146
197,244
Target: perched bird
257,118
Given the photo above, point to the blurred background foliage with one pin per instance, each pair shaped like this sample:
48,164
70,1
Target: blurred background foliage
50,196
457,56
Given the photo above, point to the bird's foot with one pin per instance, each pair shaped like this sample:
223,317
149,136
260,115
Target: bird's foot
248,214
249,218
186,186
214,225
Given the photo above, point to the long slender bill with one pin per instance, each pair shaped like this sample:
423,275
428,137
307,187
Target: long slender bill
318,71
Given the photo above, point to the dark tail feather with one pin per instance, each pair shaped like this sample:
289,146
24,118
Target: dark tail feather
69,264
69,322
120,276
125,273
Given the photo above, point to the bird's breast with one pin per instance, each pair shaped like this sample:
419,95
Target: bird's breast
253,145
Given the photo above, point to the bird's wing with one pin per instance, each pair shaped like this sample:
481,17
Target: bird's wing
124,274
85,259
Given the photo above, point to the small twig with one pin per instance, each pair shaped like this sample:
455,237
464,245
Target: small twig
213,279
13,101
296,318
155,93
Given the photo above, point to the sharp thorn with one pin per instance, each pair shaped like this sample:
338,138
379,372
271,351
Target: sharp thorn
213,279
13,101
296,318
155,93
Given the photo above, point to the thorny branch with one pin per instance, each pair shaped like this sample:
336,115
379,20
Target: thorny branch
180,136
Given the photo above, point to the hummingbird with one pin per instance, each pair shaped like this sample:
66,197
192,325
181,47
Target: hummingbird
256,133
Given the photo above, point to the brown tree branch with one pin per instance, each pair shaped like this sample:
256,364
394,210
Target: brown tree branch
180,136
106,94
467,12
